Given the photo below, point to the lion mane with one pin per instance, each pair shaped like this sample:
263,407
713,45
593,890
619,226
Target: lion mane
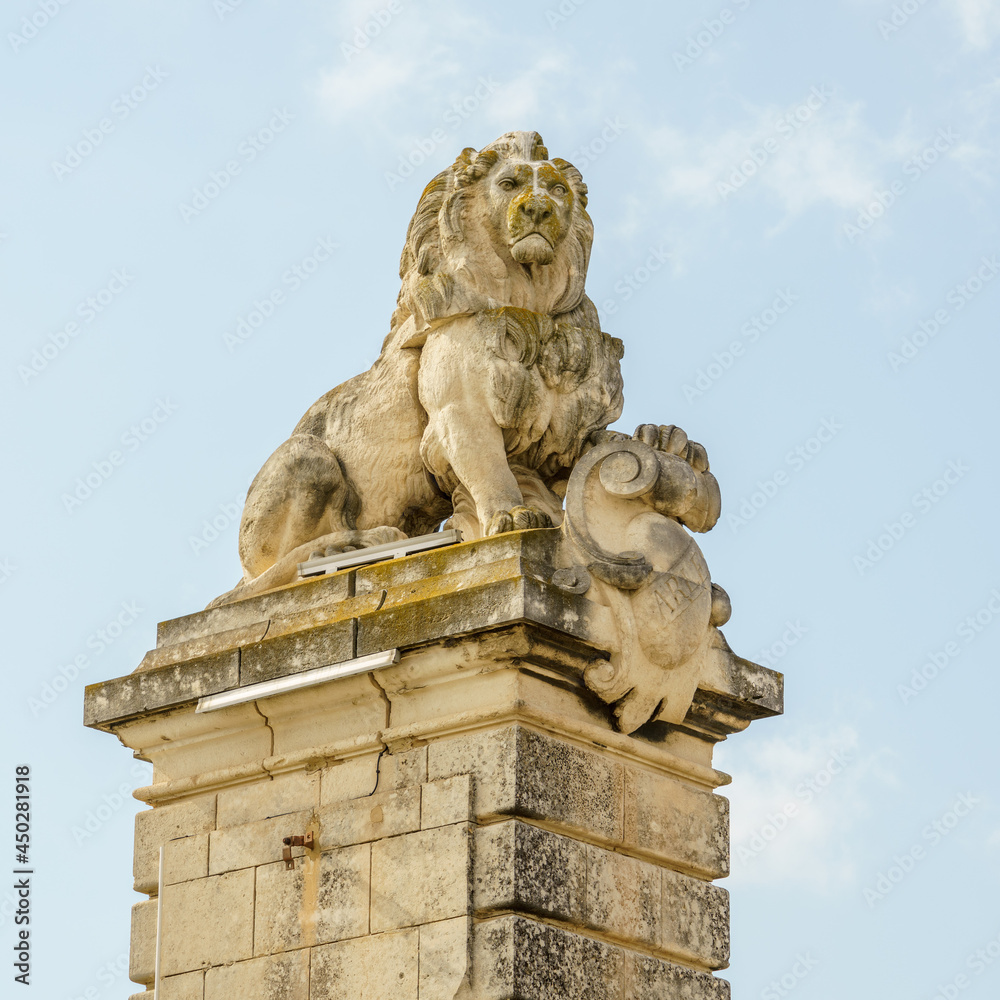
442,269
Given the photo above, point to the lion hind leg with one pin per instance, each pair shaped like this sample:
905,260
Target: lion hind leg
300,494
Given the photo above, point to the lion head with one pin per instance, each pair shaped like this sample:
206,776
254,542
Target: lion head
505,226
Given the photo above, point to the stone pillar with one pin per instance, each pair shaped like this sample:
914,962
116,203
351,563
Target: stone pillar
480,826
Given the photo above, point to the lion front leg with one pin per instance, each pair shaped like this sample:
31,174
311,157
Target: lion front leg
463,445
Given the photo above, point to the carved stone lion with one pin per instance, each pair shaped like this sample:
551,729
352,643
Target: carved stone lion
493,378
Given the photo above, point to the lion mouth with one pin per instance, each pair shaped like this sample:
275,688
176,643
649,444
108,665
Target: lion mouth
533,249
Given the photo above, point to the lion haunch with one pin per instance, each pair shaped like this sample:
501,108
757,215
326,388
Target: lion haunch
494,376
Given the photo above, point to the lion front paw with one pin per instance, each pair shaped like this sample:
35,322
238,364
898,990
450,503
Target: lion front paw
672,440
516,519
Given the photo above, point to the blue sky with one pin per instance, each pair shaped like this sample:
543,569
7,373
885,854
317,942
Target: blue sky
796,237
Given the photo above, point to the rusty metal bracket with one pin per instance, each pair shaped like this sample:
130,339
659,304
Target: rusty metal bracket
305,841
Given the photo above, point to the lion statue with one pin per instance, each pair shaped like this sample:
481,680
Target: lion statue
493,380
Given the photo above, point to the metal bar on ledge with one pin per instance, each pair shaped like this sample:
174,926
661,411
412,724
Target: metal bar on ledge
293,682
377,553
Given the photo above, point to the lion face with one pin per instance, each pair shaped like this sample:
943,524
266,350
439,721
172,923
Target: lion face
532,205
505,226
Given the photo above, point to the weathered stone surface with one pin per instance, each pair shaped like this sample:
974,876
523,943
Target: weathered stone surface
207,922
290,654
350,778
679,822
154,827
695,920
284,793
277,977
650,979
521,867
420,877
323,899
186,986
373,817
623,896
514,957
444,958
142,957
377,967
185,858
446,801
253,843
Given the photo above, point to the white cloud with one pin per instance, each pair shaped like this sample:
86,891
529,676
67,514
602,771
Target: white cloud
979,21
795,801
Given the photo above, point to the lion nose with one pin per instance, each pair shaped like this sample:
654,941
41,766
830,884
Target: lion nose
536,208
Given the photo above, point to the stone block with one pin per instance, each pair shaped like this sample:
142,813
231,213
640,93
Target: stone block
685,825
402,768
325,898
253,843
154,827
695,920
185,858
350,778
295,652
207,922
373,817
186,986
142,954
446,801
514,957
524,773
377,967
277,977
623,896
444,958
420,877
652,979
284,793
523,868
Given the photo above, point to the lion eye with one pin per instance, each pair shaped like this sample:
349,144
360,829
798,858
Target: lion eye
559,190
508,184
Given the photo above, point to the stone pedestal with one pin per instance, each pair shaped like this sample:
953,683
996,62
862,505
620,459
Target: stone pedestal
480,829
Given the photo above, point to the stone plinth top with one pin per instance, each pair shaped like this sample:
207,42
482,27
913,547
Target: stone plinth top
499,590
